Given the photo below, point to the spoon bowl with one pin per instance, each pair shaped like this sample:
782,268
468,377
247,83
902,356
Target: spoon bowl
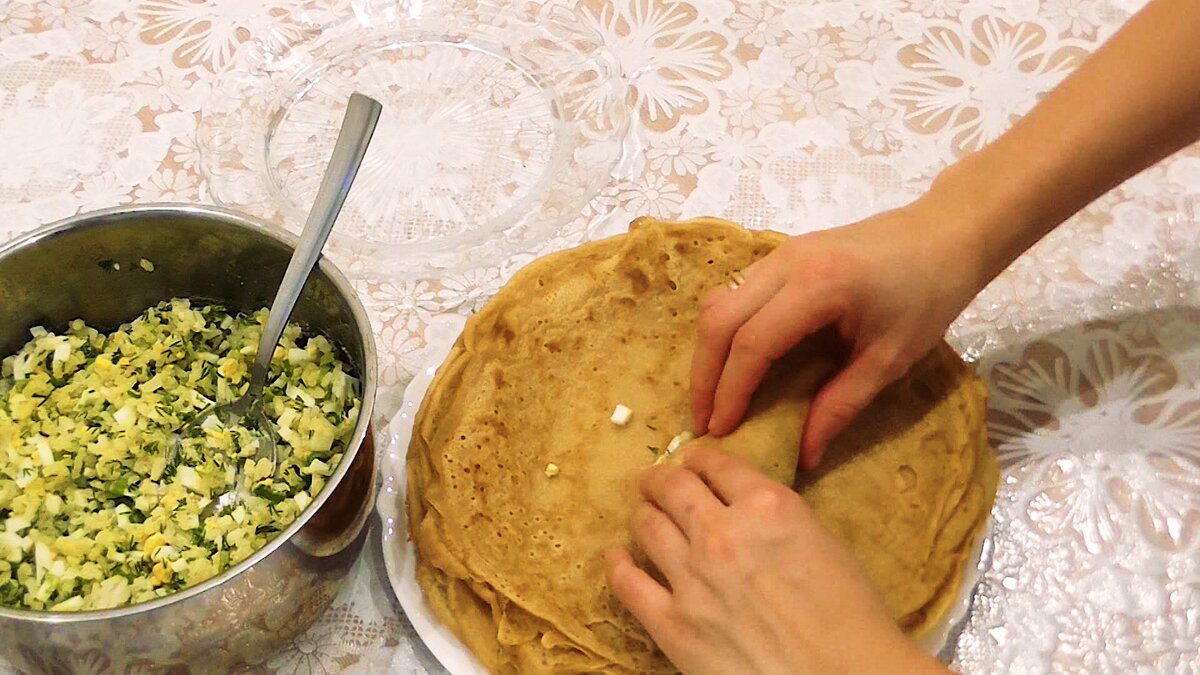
248,414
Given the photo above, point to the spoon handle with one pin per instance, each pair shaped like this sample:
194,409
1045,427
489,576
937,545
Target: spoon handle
362,114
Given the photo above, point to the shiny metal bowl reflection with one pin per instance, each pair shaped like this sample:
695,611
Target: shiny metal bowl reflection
64,271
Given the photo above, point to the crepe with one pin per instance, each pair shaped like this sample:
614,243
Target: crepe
518,480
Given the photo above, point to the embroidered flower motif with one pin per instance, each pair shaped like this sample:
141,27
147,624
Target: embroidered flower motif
741,149
207,34
109,41
877,128
681,154
814,190
966,83
939,9
15,17
810,93
656,196
751,107
311,653
60,13
813,52
1105,454
1072,17
669,51
53,138
470,288
866,39
89,663
1096,641
169,185
758,24
879,10
402,297
103,191
166,90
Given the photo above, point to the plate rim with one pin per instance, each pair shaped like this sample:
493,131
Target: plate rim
399,554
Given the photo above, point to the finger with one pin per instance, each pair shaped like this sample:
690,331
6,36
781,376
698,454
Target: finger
722,312
661,539
790,316
644,597
845,396
730,477
681,495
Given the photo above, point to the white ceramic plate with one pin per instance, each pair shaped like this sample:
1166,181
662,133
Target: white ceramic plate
400,557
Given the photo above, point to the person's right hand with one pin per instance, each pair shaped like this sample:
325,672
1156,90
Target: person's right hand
753,582
890,285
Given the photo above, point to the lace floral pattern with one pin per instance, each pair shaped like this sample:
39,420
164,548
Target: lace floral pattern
1097,427
776,113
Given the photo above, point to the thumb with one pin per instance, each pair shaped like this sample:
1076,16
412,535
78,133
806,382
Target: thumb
845,396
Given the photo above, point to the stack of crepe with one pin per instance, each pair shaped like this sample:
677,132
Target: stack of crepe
518,479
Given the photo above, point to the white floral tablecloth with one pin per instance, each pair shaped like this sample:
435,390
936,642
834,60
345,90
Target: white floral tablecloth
775,113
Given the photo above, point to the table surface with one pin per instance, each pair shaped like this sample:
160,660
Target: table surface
793,116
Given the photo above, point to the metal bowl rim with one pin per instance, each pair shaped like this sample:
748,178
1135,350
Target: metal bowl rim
362,322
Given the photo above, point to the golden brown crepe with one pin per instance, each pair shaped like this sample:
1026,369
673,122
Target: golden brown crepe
509,556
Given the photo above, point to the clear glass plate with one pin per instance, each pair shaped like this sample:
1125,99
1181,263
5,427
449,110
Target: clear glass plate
499,124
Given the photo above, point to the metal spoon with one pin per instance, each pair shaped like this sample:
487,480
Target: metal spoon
358,125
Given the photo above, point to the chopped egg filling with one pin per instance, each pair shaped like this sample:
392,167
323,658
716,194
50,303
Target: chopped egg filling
621,415
92,515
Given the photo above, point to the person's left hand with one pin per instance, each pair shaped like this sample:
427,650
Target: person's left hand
755,584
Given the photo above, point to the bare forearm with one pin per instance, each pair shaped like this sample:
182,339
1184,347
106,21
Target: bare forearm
1135,101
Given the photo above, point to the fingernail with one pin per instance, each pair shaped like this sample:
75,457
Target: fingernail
736,280
716,429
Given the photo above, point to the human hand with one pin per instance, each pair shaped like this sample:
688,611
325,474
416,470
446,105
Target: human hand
890,285
756,585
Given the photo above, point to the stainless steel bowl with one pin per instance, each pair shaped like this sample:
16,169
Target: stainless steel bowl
65,271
